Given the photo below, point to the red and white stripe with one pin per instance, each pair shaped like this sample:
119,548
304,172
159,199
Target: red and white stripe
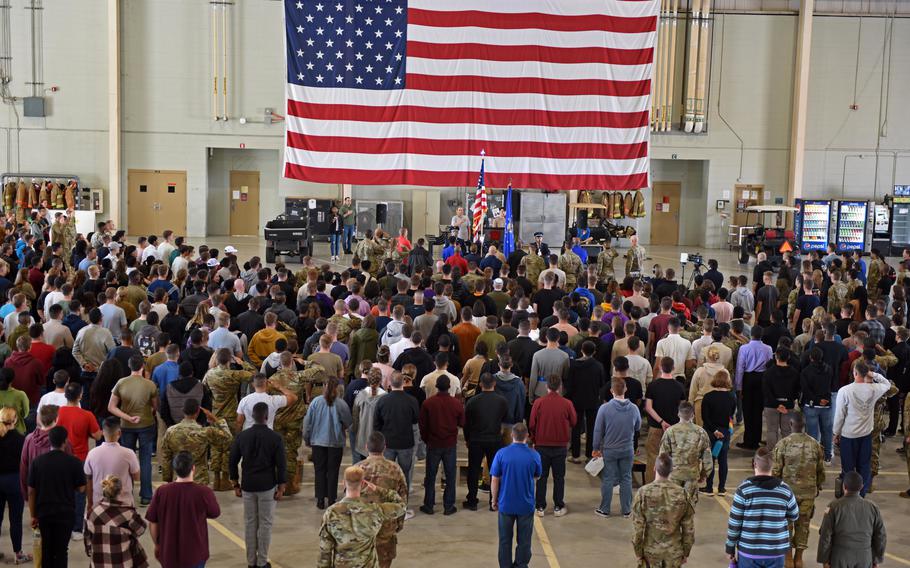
557,92
480,211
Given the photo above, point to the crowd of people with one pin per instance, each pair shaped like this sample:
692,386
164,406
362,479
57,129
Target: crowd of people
237,375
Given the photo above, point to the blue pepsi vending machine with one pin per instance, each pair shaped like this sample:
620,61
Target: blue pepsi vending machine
855,221
812,224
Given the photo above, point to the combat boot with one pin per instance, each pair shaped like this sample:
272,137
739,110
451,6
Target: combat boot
222,483
798,559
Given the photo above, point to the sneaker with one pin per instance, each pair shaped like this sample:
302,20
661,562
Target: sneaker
627,515
450,511
599,513
22,558
320,504
575,460
469,505
539,511
143,502
77,536
426,510
904,494
705,491
722,492
484,488
560,512
409,514
828,461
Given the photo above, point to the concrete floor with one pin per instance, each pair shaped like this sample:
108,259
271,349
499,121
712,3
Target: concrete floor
578,539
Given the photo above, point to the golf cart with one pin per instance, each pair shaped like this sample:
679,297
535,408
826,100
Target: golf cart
768,233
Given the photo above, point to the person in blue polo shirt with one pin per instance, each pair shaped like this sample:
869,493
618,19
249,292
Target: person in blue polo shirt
514,474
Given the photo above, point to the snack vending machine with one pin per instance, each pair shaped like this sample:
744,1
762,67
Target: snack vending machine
812,224
855,220
900,220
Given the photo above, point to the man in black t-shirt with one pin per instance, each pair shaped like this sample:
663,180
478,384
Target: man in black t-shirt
662,399
547,296
53,480
766,300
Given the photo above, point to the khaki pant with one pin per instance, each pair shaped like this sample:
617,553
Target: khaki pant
777,426
652,448
698,420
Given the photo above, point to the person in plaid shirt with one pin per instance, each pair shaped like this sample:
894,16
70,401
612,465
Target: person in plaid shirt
112,531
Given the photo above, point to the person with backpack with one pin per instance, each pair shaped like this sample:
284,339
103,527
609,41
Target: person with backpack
177,391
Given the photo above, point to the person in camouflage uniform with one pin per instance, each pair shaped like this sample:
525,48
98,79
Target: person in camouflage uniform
385,474
663,520
688,446
635,257
571,264
837,293
799,460
63,231
224,383
190,436
347,537
373,250
345,326
876,271
533,263
605,259
289,419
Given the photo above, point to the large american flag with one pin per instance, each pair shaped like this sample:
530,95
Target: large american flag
409,92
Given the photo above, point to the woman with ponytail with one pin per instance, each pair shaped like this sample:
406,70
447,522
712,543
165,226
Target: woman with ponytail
326,420
364,408
112,530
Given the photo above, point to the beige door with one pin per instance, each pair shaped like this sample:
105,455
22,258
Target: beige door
142,202
665,209
156,201
244,197
171,202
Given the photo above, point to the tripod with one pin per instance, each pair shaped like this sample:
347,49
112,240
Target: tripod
696,271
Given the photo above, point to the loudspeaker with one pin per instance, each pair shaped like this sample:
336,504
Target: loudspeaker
581,219
381,213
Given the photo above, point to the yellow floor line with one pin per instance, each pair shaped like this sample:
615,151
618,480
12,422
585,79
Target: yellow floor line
544,539
898,559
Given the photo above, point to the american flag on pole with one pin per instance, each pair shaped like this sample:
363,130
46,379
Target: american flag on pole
480,204
409,91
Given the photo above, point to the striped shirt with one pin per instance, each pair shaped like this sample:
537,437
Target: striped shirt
759,519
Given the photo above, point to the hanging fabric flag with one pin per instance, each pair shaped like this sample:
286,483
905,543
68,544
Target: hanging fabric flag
508,237
480,204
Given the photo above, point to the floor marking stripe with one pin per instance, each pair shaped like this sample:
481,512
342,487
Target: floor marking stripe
888,555
544,539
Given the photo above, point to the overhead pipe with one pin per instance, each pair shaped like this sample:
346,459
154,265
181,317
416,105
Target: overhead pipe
224,53
214,33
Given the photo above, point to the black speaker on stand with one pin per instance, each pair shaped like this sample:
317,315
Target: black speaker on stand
382,211
581,219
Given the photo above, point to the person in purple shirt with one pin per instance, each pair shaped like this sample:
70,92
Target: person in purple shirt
615,312
751,361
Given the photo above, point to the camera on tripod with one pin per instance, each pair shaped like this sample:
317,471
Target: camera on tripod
695,258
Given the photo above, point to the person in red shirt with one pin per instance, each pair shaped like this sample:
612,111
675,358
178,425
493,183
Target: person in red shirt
456,260
660,324
441,416
551,423
80,425
177,517
42,351
29,372
402,243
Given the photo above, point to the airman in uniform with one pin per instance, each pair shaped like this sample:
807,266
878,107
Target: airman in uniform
534,263
688,446
344,325
542,247
605,259
224,383
635,257
347,537
288,420
571,264
63,231
837,293
384,474
663,518
877,269
189,435
373,250
799,461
